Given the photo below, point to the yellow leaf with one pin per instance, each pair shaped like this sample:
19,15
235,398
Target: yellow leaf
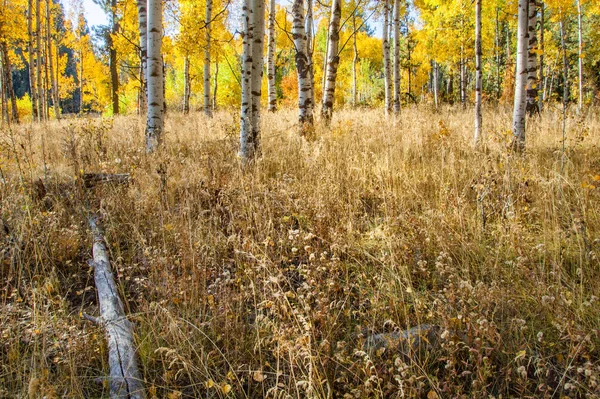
596,178
520,354
225,388
209,384
230,376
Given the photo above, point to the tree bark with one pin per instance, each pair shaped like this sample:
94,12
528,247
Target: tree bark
436,84
214,102
10,90
30,66
397,89
354,61
3,93
519,109
333,61
156,109
112,55
478,75
580,55
257,68
207,106
387,73
124,377
41,103
186,85
310,48
272,90
542,80
532,75
247,145
143,31
305,106
55,101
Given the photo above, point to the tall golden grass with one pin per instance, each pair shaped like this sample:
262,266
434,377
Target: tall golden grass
265,281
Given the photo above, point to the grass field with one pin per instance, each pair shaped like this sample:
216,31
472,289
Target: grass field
265,281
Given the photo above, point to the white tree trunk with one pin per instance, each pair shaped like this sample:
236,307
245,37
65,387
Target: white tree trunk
333,60
207,106
156,121
257,68
387,73
247,146
354,61
478,72
186,85
38,64
520,78
309,48
532,44
143,28
580,55
49,62
305,106
396,56
272,89
436,83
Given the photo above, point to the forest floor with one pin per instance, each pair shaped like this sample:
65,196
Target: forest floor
266,281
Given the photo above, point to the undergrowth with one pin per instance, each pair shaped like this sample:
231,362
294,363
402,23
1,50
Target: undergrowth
265,281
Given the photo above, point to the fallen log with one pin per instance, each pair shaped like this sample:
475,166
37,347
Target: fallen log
124,376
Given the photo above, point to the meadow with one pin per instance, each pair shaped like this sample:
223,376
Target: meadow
266,280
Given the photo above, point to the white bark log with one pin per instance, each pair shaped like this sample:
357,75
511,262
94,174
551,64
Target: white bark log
387,73
124,376
519,109
333,60
396,56
271,58
143,29
207,106
305,106
478,72
155,124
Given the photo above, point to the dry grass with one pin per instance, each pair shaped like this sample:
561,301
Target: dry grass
264,282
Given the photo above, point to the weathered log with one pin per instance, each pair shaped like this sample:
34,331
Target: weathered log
124,376
92,179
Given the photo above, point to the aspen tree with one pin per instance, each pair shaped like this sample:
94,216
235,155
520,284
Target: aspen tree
112,57
532,76
207,106
32,85
333,61
478,72
387,74
305,106
49,62
580,55
310,48
272,91
396,56
186,85
143,30
520,102
155,123
38,63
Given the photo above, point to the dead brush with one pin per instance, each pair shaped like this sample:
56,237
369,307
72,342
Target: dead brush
267,281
